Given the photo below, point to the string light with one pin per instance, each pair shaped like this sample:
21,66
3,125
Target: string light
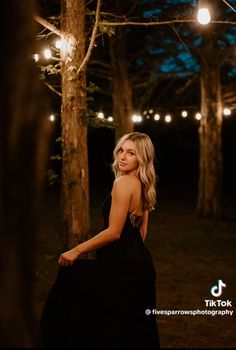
52,118
168,118
137,118
36,57
47,53
100,115
203,16
58,44
184,114
226,111
198,116
157,117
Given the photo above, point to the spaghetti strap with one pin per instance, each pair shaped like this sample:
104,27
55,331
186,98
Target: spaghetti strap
136,220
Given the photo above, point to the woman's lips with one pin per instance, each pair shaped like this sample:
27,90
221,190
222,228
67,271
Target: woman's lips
122,164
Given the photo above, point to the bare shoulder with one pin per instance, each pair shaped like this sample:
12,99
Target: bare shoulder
126,183
121,185
125,186
126,180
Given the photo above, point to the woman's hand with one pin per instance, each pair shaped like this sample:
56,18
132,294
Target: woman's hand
68,258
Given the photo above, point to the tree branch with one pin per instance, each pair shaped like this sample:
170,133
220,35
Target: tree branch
47,25
52,88
148,24
229,5
230,100
52,28
92,39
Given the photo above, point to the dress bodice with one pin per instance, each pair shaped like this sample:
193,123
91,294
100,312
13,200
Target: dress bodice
129,246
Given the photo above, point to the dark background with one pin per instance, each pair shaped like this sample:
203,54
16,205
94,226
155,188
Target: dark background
177,156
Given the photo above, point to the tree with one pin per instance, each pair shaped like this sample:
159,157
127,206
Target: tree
121,85
185,49
75,192
210,161
74,121
24,133
206,50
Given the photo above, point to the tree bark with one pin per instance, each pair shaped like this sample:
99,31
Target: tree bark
121,87
210,163
75,191
24,134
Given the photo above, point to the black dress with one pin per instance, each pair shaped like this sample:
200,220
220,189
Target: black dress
100,303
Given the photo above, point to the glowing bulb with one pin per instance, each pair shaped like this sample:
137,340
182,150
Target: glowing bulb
184,114
198,116
58,43
139,118
52,118
136,118
156,117
203,16
36,57
167,118
226,111
100,115
110,119
47,53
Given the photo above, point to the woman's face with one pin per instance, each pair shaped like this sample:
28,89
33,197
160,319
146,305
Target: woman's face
127,158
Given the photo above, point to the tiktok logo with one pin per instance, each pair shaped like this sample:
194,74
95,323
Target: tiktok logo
216,291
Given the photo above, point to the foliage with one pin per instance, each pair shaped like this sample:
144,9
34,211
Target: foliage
109,30
52,177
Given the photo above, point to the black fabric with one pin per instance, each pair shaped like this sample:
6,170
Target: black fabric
101,303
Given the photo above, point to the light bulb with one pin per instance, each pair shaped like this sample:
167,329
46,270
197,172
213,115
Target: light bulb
203,16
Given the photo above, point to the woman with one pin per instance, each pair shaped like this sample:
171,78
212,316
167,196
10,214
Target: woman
101,303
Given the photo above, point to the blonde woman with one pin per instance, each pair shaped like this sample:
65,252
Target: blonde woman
105,302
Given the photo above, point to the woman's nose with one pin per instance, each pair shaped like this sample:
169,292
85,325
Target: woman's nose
123,156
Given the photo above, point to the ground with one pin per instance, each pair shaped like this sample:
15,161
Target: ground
190,256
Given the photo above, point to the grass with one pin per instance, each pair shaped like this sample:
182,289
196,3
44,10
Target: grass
189,254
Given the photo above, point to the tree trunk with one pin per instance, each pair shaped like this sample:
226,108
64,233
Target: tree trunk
210,164
24,135
121,87
75,191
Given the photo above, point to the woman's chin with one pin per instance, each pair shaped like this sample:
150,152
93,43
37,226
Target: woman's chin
122,171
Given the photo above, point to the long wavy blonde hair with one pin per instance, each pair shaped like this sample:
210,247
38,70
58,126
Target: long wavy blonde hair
146,172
